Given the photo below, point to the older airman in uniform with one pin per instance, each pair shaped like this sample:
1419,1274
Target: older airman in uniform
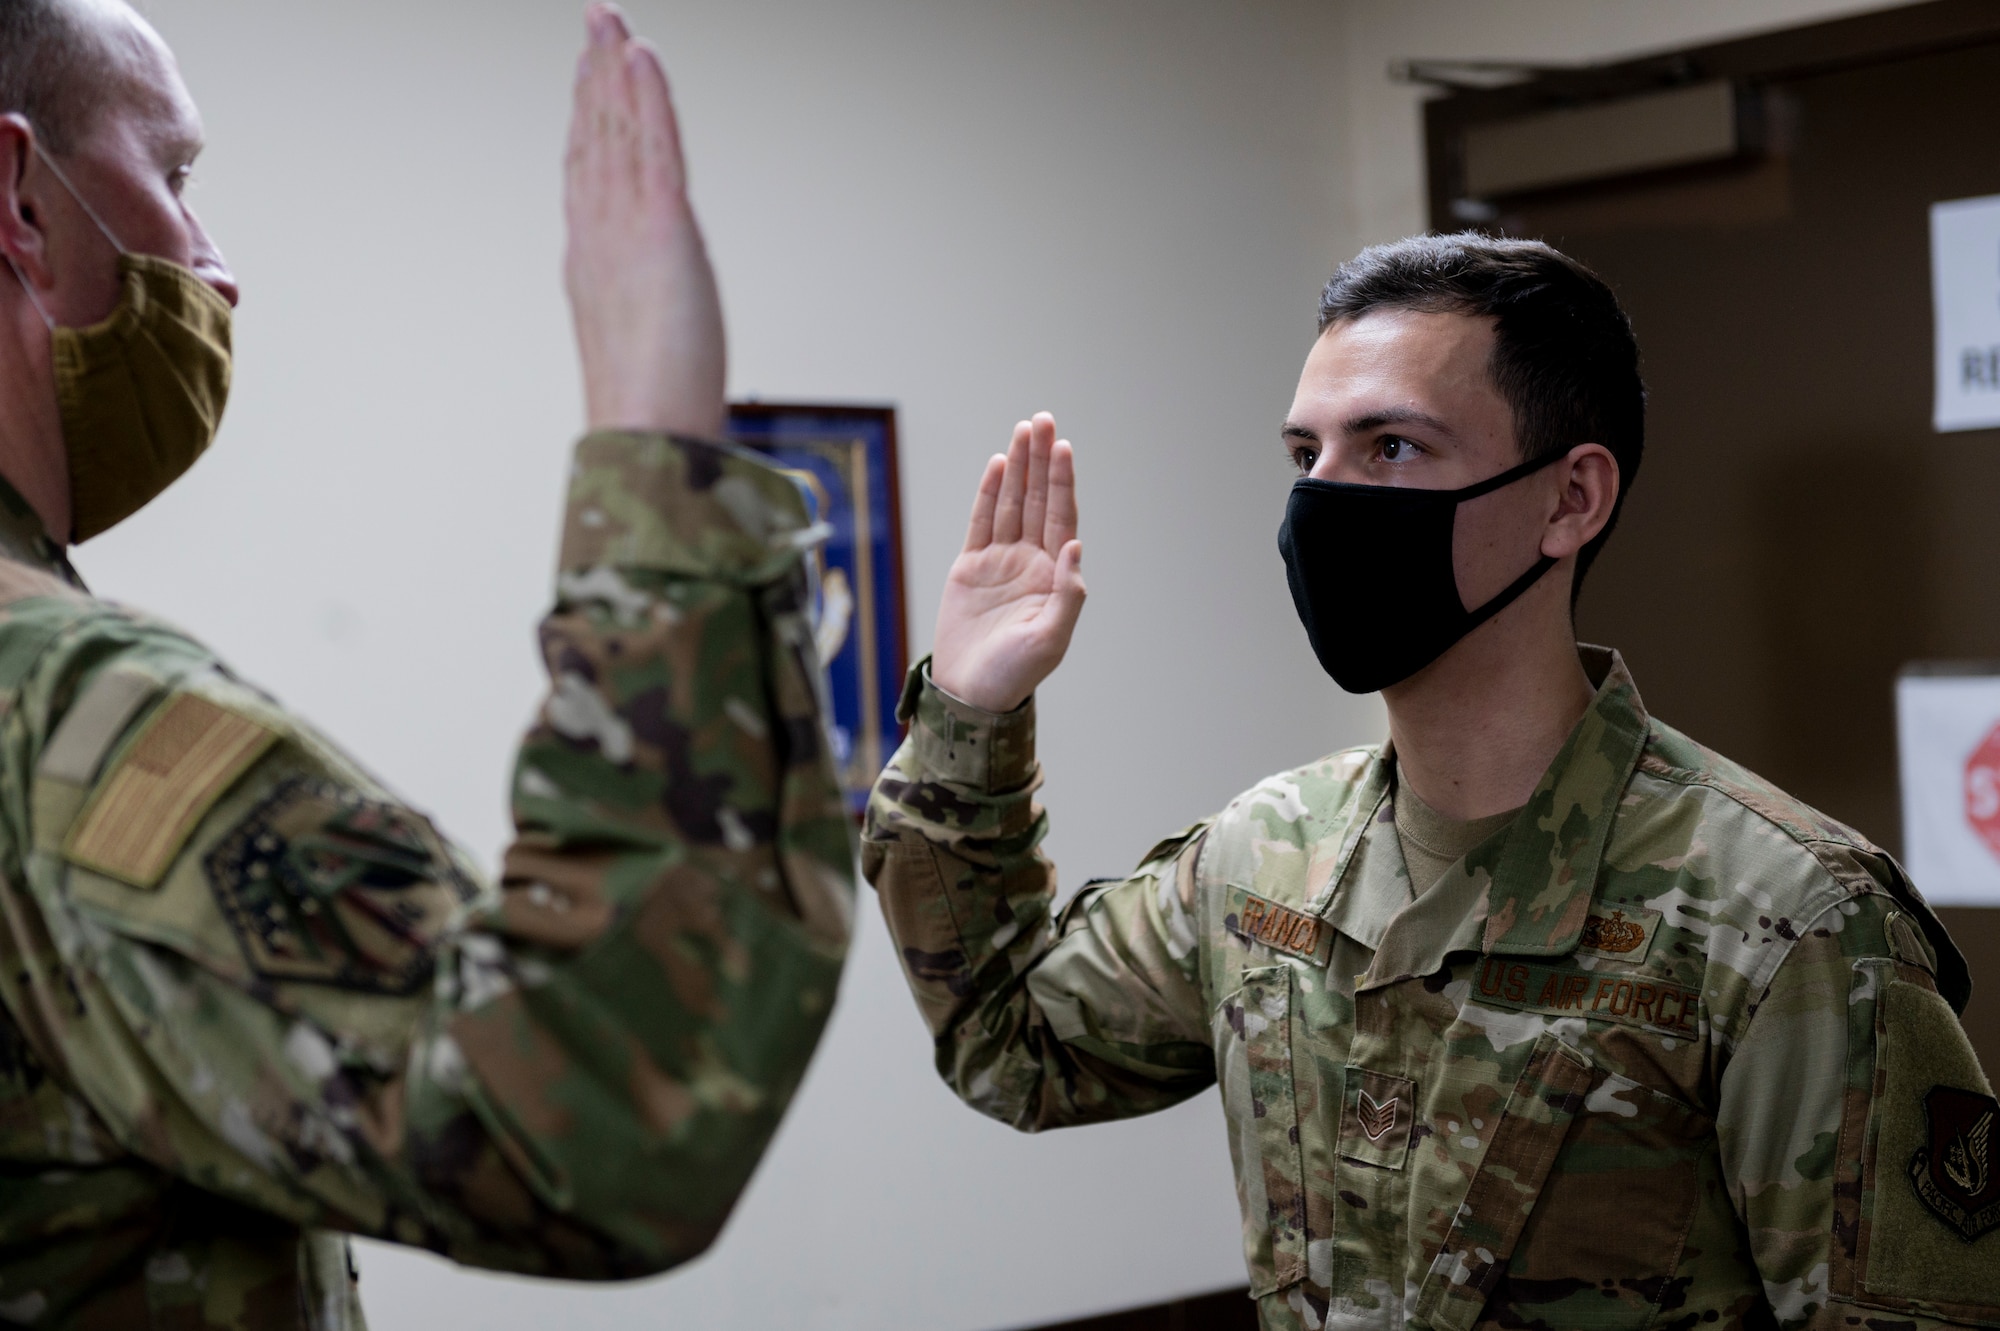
250,1000
1641,1042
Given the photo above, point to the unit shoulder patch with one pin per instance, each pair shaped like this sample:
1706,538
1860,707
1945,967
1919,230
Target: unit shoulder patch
1930,1240
1957,1171
323,885
1281,928
186,757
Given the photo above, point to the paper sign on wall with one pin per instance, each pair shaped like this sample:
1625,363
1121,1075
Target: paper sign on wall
1965,304
1948,737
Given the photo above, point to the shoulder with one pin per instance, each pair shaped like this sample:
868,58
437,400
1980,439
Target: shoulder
1301,803
173,806
1288,813
1737,821
57,642
1740,868
1676,762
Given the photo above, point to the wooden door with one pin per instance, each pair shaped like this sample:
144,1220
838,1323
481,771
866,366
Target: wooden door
1797,532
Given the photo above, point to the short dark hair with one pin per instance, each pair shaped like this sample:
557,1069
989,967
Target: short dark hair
1563,353
53,63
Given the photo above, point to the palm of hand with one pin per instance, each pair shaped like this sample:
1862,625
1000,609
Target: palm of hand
1016,589
996,612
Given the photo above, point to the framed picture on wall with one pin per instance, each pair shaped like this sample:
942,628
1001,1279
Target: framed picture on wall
845,459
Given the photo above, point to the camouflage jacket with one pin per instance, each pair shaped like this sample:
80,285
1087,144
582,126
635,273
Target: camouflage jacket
1670,1049
249,999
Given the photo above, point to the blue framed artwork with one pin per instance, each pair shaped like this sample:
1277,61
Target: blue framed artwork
845,459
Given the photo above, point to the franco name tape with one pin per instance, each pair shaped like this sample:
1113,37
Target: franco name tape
1281,928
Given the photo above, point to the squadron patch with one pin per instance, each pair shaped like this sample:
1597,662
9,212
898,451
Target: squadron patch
186,757
1957,1171
325,886
1255,920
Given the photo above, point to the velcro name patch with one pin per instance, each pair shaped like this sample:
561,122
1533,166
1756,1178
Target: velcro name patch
1564,991
1281,928
144,809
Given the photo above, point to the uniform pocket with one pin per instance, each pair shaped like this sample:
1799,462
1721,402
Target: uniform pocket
1260,1097
1375,1118
1502,1194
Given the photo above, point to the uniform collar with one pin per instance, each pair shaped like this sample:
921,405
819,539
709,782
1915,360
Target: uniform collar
1540,877
1547,872
23,539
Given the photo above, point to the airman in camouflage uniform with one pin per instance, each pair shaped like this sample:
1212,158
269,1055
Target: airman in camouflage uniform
251,1001
1654,1054
1661,1046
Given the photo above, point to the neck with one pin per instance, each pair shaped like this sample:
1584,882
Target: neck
1475,730
31,444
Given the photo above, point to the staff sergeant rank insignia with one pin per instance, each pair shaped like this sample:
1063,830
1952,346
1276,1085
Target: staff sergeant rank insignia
1255,920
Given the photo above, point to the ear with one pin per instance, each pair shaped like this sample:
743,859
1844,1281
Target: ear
1589,492
22,240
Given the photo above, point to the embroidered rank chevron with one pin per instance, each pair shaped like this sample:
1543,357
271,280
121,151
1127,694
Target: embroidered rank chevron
1378,1118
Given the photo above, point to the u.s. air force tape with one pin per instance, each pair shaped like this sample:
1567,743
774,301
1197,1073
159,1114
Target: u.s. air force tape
1567,991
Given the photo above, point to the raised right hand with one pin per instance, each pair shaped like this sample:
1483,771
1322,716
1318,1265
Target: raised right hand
1016,589
648,321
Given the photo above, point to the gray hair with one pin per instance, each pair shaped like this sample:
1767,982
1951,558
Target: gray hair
54,62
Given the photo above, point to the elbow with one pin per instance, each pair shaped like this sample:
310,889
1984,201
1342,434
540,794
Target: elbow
636,1245
680,1248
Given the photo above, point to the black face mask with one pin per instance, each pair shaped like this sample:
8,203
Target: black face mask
1371,575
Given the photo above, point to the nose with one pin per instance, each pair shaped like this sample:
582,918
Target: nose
207,262
1338,464
217,275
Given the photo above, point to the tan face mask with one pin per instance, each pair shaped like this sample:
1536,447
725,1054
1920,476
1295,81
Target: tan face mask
140,394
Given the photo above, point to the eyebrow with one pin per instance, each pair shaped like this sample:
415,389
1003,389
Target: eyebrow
1375,420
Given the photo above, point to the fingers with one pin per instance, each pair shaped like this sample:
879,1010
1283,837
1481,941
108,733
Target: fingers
1065,605
607,23
601,122
1013,488
979,532
1059,528
1035,501
661,164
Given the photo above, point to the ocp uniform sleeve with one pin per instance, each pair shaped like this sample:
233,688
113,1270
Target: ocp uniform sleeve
1850,1089
269,976
1036,1022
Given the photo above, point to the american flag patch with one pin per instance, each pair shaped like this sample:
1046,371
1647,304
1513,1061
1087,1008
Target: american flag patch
146,807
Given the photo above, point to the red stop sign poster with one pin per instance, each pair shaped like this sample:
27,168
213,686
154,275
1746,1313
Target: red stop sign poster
1982,790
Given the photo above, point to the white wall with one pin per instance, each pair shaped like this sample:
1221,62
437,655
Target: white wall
1119,211
1116,209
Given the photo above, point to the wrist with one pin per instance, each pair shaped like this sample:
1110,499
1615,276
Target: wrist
975,693
963,744
634,414
969,697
